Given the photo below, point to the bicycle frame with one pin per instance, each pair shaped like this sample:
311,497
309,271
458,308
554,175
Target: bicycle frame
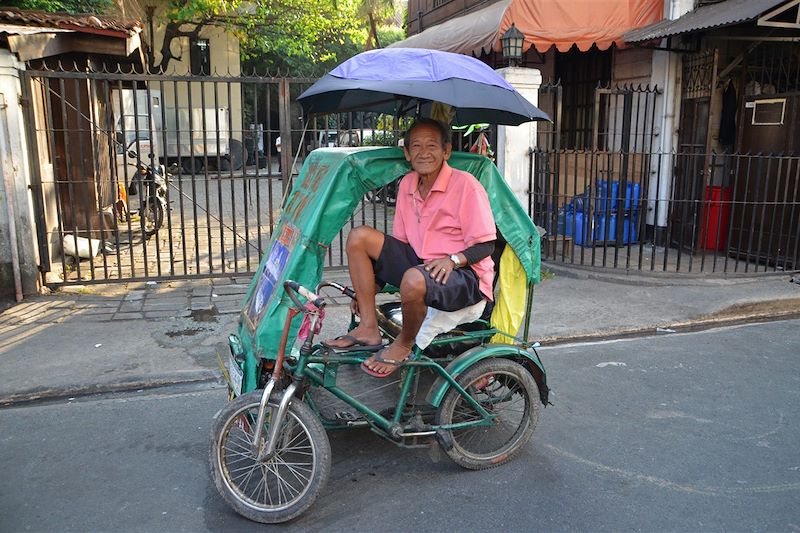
302,373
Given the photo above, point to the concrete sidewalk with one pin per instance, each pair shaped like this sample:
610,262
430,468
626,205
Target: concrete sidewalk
83,340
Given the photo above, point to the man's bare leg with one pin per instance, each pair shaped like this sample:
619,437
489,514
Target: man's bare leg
412,297
364,245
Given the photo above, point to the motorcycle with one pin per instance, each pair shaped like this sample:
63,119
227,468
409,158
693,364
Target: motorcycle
149,185
386,195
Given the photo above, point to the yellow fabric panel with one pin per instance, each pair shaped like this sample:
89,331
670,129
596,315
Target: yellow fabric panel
509,308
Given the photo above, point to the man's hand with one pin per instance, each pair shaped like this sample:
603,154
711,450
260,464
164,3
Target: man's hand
439,269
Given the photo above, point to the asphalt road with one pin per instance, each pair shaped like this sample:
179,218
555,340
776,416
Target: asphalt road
682,432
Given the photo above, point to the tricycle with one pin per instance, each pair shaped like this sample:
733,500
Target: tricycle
475,390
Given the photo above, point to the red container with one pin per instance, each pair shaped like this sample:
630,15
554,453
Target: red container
716,217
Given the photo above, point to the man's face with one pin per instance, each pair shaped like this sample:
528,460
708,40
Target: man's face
425,151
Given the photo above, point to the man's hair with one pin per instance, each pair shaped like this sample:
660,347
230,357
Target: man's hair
443,130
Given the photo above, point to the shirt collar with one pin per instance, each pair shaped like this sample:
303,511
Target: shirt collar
442,180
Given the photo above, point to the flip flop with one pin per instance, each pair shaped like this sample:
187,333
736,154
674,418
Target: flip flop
356,345
377,357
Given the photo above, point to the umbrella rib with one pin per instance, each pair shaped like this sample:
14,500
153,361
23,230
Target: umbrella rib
356,108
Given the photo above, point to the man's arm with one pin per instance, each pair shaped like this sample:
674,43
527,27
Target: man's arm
479,251
475,253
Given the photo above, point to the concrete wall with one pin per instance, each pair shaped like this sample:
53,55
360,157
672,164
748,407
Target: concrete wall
665,75
224,61
513,142
632,66
17,222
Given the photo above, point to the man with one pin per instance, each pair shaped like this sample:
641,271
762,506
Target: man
438,256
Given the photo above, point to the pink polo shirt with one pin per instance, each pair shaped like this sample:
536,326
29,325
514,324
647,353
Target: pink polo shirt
455,215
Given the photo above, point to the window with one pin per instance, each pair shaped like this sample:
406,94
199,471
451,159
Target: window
769,112
580,74
200,56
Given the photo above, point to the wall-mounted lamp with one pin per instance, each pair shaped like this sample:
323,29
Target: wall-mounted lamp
512,41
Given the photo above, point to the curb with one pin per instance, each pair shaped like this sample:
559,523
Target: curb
748,313
744,313
31,397
659,279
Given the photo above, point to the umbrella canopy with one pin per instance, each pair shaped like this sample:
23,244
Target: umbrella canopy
401,80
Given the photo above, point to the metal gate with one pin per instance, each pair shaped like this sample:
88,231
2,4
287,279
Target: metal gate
212,138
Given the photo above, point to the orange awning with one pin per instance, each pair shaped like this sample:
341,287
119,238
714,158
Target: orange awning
545,23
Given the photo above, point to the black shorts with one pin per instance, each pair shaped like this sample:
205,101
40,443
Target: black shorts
462,288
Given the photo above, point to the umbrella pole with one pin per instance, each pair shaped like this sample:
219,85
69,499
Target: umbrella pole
294,162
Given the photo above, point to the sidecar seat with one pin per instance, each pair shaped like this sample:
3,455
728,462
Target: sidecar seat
390,320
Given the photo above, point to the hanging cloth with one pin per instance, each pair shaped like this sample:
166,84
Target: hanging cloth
509,308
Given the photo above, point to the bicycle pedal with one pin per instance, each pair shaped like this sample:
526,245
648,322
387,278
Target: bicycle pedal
445,439
347,416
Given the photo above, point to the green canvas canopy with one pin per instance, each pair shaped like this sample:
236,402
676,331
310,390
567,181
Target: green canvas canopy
325,195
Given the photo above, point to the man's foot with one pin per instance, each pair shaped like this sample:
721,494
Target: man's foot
361,339
386,361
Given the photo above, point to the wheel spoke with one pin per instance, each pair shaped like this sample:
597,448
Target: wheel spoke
288,488
294,468
283,483
278,482
267,498
505,397
262,480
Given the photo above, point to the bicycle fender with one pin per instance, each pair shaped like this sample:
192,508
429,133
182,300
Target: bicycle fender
528,358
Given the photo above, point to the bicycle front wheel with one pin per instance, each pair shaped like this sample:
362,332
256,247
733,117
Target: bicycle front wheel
278,488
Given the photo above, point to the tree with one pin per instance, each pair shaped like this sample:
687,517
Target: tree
94,7
374,12
277,34
308,36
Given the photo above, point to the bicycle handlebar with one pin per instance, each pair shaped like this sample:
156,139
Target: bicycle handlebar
347,291
302,291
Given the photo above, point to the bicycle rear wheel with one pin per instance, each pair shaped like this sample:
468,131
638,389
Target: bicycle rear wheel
503,388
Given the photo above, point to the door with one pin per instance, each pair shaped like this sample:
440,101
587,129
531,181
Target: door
693,155
766,217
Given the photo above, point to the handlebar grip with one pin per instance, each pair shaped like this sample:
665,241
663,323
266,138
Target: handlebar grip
305,293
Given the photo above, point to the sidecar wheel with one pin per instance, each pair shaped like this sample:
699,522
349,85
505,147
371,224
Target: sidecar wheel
282,487
504,388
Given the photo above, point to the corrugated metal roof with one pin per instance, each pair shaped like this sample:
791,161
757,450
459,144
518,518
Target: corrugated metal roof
90,23
718,15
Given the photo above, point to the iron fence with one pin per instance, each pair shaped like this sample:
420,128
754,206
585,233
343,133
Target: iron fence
619,204
214,140
623,210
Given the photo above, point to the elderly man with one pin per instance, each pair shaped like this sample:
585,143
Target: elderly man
444,233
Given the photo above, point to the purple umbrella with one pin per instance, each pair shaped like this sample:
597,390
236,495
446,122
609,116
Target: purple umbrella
406,80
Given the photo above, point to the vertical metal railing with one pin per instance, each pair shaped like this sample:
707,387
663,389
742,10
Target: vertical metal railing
749,226
212,137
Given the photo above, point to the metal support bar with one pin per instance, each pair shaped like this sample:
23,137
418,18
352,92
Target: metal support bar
277,417
262,413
